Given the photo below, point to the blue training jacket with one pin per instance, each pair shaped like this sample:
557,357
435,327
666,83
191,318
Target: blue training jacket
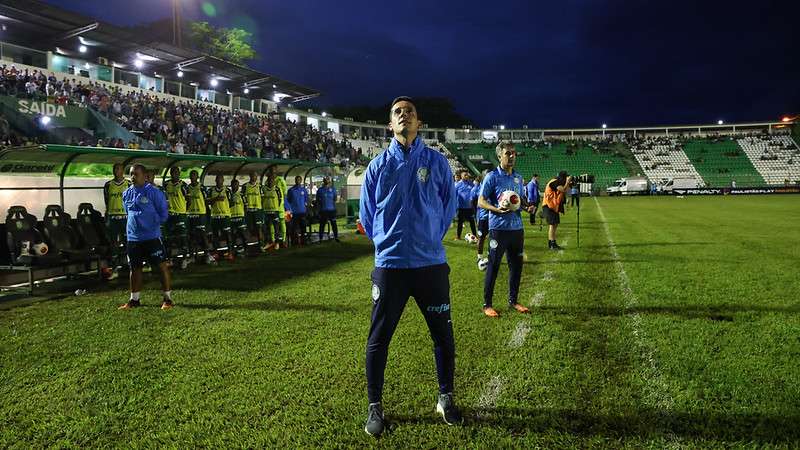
476,192
532,191
407,204
326,198
495,183
296,198
147,210
464,192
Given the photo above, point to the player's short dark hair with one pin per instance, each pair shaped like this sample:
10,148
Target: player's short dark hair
535,175
562,176
402,98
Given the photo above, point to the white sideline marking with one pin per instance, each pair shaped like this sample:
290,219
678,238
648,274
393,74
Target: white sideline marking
490,395
493,389
658,387
537,299
518,337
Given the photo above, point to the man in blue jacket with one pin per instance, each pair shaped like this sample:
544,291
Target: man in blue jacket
146,207
532,194
466,213
296,200
326,202
505,228
408,201
483,220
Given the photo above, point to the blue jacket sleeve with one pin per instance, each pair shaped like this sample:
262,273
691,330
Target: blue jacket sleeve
366,205
447,191
487,190
160,202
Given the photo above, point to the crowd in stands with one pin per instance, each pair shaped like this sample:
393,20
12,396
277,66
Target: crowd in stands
183,126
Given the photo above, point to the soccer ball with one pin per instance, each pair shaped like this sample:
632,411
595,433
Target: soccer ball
471,238
509,200
40,249
483,263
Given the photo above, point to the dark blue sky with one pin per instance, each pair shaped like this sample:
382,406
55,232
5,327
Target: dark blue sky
546,64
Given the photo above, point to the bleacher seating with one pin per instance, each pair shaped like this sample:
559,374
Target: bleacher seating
776,158
548,158
452,161
720,161
663,159
477,157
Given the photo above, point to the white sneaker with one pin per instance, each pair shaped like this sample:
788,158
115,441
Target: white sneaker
483,263
184,263
210,259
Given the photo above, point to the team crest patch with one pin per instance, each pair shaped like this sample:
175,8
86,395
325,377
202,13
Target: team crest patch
492,244
517,180
376,293
144,200
422,174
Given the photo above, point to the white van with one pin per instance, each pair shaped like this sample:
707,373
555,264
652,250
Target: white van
629,186
681,183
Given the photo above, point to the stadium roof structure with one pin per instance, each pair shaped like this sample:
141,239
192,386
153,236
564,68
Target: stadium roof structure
41,26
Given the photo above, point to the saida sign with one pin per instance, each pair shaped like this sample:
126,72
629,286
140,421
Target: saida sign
62,116
43,108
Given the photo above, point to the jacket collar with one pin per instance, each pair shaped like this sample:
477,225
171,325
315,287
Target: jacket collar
396,150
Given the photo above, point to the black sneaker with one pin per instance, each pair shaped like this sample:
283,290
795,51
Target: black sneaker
130,305
446,406
375,421
556,247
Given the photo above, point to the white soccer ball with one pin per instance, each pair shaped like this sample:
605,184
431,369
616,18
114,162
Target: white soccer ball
471,238
40,249
483,263
509,200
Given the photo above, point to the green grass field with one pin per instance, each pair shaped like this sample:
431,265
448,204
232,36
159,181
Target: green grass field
684,332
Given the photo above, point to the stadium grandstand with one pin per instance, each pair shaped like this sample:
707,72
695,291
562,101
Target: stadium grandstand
636,325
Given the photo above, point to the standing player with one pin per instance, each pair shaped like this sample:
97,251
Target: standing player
252,203
407,204
219,198
196,216
465,211
146,209
238,225
297,198
554,205
116,218
483,221
280,182
532,194
176,191
272,201
326,202
505,229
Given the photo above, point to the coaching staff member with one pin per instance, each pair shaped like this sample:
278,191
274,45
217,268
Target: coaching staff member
554,205
408,201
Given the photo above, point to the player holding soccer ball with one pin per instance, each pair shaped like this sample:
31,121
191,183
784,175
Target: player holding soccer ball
501,195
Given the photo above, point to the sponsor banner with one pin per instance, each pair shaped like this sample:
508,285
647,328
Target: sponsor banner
739,191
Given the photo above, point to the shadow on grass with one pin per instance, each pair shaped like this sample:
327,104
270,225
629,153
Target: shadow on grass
270,306
643,423
722,313
258,273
